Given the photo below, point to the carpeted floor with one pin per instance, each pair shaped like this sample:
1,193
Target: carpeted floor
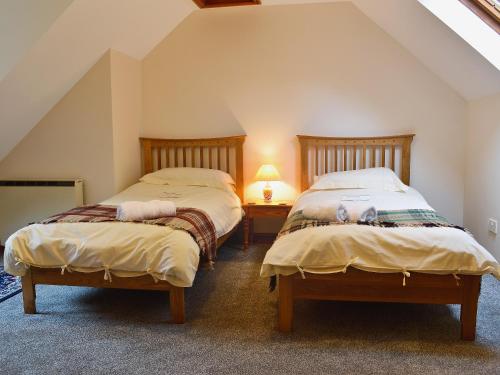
231,329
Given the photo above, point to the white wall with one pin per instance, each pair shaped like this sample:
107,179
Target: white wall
22,23
126,102
75,139
268,72
323,69
482,192
93,132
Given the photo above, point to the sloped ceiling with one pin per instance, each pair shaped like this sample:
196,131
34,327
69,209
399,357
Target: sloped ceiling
70,47
439,48
482,36
35,16
87,28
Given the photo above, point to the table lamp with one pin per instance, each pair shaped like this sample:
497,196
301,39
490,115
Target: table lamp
268,173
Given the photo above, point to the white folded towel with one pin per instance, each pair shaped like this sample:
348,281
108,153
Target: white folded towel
356,211
138,211
325,212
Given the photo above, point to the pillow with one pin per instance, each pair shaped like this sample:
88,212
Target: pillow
371,178
190,177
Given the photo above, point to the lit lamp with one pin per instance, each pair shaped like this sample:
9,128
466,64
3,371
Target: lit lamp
268,173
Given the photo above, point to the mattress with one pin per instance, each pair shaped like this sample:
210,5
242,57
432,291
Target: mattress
330,249
125,249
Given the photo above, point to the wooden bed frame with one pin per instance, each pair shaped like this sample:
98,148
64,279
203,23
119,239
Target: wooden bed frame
321,155
224,154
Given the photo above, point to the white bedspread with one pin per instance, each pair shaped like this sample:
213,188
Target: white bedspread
330,249
125,249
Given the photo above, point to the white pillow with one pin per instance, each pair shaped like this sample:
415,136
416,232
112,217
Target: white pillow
190,177
371,178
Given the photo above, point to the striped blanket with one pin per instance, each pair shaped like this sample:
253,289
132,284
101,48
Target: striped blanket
194,221
385,219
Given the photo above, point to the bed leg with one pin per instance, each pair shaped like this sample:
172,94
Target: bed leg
29,293
177,305
285,301
468,311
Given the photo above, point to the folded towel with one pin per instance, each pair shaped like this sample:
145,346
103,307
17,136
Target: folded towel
325,212
369,215
138,211
356,211
342,214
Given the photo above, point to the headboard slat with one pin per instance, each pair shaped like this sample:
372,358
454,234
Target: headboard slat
335,162
393,157
312,146
345,158
364,156
152,146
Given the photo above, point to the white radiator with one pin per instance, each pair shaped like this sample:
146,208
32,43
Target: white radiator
23,202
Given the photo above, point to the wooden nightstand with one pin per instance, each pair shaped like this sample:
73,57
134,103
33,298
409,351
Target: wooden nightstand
262,209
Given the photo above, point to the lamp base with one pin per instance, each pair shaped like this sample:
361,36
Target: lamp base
268,194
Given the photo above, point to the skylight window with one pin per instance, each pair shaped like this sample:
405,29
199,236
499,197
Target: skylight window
459,18
487,10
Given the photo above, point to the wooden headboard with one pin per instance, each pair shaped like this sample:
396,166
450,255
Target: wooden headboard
225,154
320,155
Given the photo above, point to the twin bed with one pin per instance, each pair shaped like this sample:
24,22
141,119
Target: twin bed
435,265
333,262
135,255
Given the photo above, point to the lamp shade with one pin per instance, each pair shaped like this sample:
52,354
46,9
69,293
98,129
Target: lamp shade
268,172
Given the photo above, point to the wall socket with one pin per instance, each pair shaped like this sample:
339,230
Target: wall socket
493,225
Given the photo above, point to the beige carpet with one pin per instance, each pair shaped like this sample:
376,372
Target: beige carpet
231,329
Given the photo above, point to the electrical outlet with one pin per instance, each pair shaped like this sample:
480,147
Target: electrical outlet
493,226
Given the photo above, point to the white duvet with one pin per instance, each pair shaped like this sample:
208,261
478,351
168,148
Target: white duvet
125,249
330,249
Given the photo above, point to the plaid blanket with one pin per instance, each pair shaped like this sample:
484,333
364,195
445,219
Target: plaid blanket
385,219
194,221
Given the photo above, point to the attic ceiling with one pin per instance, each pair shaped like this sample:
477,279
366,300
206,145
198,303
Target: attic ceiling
436,45
70,47
43,66
36,18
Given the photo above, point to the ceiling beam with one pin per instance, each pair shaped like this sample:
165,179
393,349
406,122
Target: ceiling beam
224,3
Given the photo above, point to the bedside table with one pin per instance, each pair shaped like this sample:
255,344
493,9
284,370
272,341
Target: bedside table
262,209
